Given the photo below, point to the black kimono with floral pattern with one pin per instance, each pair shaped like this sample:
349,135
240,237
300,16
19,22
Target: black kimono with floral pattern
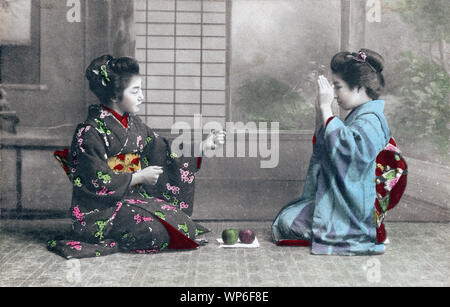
108,215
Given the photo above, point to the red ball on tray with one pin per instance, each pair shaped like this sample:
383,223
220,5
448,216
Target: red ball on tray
246,236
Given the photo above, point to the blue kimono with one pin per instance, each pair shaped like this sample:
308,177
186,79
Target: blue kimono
336,210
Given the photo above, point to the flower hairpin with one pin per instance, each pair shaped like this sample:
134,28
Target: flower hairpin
103,72
361,57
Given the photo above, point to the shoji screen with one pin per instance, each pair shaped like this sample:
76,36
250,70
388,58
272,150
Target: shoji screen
182,50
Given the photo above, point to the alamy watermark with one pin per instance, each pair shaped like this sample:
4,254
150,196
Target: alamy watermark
261,142
73,273
373,270
74,13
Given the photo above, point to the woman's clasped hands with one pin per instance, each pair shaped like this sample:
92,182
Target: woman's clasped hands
325,92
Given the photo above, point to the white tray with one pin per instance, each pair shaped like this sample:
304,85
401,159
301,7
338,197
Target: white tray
255,244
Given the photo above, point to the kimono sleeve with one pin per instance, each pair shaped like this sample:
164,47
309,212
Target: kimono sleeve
92,177
360,141
317,142
176,184
310,188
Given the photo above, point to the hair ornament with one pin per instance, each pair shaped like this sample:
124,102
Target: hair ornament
103,72
361,57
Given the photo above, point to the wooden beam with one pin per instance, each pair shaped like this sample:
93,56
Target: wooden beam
228,105
358,25
353,25
353,30
109,29
345,25
122,36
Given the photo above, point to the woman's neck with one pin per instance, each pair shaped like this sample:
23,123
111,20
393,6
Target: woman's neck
114,106
364,97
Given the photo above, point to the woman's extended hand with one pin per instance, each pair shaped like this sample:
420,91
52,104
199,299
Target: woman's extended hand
325,93
148,175
214,140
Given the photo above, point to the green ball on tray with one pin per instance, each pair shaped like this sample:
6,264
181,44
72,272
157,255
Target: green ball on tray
230,236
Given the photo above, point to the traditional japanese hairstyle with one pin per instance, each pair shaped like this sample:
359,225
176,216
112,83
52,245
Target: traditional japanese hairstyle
108,76
361,69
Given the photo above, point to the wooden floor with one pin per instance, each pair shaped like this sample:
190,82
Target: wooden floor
418,255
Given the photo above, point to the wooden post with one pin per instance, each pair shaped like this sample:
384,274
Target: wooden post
122,36
353,25
109,29
95,37
358,25
345,25
228,105
353,29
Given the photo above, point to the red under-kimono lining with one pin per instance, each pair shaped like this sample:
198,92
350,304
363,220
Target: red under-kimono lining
177,239
63,156
328,120
199,162
293,243
122,119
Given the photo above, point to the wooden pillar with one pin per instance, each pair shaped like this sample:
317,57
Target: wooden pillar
358,25
228,105
122,36
109,29
96,42
353,30
353,25
345,25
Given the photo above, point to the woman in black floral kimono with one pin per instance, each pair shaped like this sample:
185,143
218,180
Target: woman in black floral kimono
131,193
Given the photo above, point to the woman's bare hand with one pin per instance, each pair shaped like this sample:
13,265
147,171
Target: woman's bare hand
214,140
148,175
326,93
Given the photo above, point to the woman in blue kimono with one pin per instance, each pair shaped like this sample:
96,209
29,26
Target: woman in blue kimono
336,213
131,192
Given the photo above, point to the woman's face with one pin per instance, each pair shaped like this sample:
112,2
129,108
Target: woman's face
132,96
346,98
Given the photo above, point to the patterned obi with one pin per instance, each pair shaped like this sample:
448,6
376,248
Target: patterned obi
125,163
